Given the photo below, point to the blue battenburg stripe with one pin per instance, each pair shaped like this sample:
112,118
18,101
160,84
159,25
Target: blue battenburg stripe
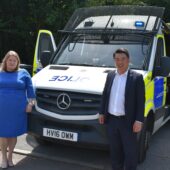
158,92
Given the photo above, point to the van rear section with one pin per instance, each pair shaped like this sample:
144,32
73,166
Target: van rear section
72,77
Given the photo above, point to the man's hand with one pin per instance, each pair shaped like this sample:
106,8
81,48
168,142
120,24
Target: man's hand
137,126
101,119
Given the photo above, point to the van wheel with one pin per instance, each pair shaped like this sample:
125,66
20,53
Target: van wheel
144,141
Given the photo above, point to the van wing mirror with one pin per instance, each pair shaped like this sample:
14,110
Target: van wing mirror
164,68
45,57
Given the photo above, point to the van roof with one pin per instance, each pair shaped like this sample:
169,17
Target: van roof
83,13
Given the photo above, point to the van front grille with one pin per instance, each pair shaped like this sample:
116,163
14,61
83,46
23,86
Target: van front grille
68,103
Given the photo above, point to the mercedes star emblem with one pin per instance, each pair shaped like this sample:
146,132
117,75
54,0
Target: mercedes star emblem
63,101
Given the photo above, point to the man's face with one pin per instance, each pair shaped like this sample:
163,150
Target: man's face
121,62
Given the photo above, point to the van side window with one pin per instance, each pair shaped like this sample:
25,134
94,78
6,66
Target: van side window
159,52
45,44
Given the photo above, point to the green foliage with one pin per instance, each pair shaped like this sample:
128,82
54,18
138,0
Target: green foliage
21,19
112,2
162,3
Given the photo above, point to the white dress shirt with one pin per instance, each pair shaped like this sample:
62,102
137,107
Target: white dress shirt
117,95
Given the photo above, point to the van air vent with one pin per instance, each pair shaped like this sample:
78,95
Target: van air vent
58,67
107,71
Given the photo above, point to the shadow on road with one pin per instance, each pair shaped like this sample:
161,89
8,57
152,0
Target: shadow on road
158,156
34,163
88,158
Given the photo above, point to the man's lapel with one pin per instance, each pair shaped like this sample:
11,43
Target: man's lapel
128,83
112,76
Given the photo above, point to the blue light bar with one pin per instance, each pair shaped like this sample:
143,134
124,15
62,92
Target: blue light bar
139,24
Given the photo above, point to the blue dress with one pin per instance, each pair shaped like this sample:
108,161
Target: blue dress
15,89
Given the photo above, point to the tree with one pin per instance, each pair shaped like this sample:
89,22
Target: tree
21,19
112,2
162,3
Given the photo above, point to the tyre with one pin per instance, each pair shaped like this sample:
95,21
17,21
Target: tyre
144,140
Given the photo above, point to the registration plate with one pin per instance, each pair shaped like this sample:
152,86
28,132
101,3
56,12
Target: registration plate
59,134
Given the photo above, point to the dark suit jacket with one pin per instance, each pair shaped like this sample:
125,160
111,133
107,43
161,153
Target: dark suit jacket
134,96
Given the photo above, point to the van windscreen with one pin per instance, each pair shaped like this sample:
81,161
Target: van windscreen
97,50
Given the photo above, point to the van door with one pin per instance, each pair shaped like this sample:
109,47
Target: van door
45,42
160,88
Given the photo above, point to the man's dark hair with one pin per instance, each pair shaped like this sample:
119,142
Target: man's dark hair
121,50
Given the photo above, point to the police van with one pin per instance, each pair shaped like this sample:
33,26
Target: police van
70,85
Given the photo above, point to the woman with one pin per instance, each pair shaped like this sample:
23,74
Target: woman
16,99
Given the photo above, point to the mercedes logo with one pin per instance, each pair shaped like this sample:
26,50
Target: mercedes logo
63,101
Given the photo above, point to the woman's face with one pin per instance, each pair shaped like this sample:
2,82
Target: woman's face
11,63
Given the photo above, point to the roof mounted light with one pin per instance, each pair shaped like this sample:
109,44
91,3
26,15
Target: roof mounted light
139,24
88,23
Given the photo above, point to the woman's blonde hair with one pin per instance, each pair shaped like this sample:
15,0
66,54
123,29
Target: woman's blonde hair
4,61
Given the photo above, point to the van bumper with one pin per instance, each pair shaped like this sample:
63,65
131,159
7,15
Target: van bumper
90,132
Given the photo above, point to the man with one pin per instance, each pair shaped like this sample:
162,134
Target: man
122,109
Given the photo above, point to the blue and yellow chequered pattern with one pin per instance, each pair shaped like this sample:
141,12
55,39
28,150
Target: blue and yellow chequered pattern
155,89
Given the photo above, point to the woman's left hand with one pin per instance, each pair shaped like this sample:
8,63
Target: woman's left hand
29,108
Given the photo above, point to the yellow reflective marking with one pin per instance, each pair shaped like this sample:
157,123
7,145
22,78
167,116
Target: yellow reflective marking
36,62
